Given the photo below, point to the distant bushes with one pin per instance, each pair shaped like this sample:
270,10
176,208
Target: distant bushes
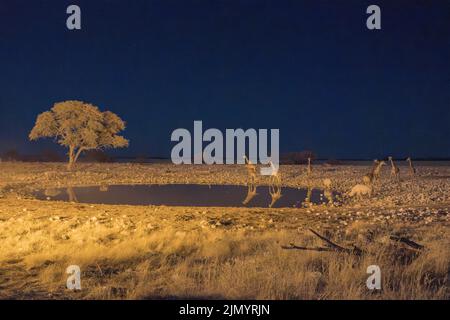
297,157
96,156
48,155
11,155
333,162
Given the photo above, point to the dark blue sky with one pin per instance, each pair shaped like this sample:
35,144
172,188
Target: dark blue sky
310,68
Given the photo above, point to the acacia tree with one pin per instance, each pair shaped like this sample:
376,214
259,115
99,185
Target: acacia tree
79,126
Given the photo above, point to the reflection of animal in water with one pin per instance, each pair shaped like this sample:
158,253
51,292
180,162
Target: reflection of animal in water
275,185
51,192
72,195
412,169
395,171
275,193
307,201
359,190
251,193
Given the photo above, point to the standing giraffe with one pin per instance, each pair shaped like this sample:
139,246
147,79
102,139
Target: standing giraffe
377,169
374,166
251,169
370,177
412,170
395,171
328,192
309,168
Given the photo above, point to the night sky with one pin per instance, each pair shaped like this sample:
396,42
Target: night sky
310,68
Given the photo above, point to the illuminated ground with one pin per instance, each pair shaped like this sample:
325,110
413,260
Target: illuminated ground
168,252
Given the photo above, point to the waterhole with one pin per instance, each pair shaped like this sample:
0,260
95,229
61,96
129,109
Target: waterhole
190,195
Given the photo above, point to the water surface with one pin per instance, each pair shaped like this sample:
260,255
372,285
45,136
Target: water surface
192,195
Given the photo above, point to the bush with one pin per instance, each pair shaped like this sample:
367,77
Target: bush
97,156
297,157
48,155
11,155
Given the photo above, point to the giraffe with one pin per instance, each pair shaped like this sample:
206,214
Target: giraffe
328,191
251,169
377,169
370,177
275,185
395,171
309,168
412,169
375,164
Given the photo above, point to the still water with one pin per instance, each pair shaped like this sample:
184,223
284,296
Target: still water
191,195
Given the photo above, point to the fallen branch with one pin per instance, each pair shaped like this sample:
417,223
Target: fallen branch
355,250
293,246
408,242
331,246
331,243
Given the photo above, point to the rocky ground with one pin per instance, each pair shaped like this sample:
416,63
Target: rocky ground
170,252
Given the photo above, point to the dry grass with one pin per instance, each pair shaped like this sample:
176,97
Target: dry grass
133,252
127,257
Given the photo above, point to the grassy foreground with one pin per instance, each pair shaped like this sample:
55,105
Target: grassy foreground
157,252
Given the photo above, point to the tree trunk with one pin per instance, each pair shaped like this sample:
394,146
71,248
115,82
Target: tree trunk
71,158
78,154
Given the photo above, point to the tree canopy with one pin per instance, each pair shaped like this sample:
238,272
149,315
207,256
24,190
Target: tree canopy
80,126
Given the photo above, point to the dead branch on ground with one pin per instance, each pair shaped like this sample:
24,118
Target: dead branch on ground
331,246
